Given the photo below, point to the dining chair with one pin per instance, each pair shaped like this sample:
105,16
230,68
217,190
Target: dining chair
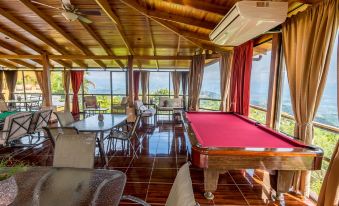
125,136
40,120
15,127
74,150
181,192
120,107
91,102
64,118
54,132
3,106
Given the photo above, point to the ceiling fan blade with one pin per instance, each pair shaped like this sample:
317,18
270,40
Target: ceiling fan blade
90,12
42,4
84,19
66,4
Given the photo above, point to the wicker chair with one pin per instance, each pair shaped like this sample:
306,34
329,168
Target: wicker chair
64,118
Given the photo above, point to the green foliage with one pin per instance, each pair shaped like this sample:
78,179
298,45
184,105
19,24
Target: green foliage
57,83
258,115
7,172
209,104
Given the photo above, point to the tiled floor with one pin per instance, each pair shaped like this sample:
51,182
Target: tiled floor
161,151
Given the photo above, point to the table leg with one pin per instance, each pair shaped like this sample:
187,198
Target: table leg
281,182
103,155
211,177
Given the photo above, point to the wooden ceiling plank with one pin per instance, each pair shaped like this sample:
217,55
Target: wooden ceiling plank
7,64
182,19
36,34
201,5
104,5
23,63
95,36
17,37
67,36
133,4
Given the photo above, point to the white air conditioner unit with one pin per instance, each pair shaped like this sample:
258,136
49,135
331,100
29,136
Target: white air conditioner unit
248,19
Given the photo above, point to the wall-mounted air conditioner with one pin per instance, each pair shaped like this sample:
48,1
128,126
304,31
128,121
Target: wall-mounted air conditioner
248,19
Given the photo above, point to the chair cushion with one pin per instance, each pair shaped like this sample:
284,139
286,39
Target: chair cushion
162,101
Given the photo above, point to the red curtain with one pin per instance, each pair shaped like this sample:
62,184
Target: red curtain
76,80
240,80
136,79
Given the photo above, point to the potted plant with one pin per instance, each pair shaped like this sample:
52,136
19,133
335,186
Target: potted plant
8,186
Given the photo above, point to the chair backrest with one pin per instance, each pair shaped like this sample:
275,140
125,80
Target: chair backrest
54,132
3,106
40,119
76,151
162,101
135,126
123,101
90,102
15,127
64,118
182,192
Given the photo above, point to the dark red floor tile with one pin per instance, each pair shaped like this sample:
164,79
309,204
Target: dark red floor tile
135,174
119,161
165,162
135,189
143,161
228,195
158,193
163,175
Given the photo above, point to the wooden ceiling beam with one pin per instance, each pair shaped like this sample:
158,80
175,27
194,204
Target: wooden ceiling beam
182,19
7,64
36,34
95,36
149,27
16,50
61,31
104,5
22,40
178,52
201,5
104,57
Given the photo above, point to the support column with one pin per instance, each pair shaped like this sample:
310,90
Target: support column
46,76
275,82
130,109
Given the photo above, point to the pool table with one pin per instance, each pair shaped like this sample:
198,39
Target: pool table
227,141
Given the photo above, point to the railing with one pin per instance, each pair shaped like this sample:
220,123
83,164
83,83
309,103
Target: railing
325,136
209,104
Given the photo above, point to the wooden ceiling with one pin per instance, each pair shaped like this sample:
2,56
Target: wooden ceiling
125,27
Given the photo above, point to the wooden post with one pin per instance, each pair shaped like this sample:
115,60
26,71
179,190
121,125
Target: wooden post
46,74
275,84
130,109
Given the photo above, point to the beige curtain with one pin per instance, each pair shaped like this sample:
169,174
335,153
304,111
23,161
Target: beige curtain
2,96
11,78
329,193
144,85
196,74
308,40
225,79
66,80
176,78
44,90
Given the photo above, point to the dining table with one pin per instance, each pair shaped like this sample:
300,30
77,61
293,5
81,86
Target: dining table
68,186
93,124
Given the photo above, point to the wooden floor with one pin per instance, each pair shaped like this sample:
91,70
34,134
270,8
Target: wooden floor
150,176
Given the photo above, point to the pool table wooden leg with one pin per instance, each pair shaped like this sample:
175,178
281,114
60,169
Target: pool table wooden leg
281,182
211,177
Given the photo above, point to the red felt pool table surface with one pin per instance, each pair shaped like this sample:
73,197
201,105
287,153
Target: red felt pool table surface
220,129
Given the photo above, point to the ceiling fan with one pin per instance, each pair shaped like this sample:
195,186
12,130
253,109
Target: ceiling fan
70,12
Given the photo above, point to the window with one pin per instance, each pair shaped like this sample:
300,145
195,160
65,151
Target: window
210,89
57,87
97,82
260,75
119,86
31,83
19,87
159,85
